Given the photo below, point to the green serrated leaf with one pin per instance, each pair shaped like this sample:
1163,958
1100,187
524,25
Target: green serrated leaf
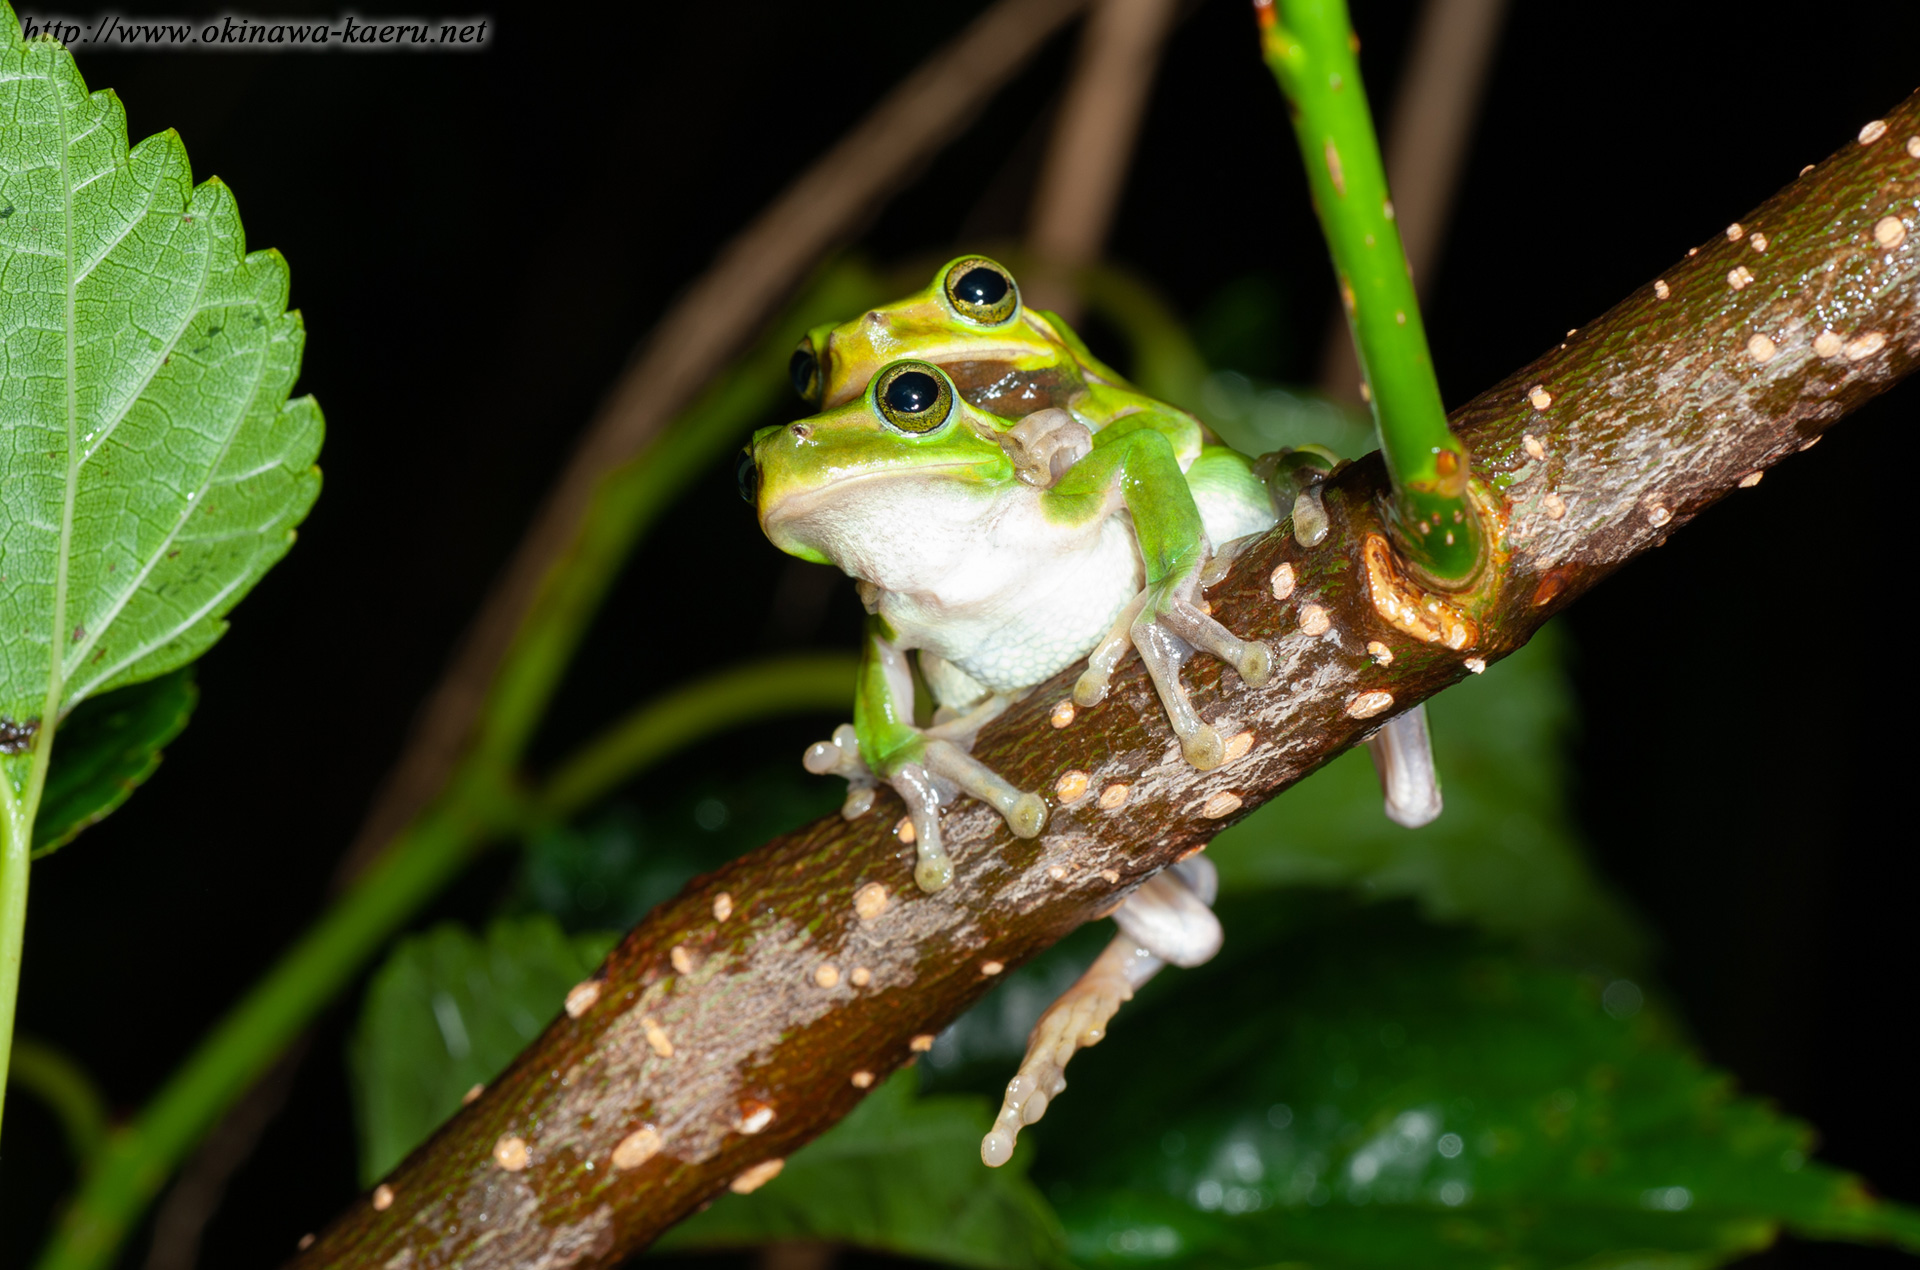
1357,1089
1503,855
900,1175
154,468
108,748
448,1011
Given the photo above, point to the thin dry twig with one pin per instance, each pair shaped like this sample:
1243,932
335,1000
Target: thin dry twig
714,1045
1426,148
1093,139
181,1220
707,325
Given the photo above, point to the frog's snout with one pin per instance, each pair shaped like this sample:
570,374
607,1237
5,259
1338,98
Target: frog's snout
747,473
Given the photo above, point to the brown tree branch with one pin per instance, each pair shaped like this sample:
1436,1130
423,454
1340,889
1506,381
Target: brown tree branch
693,340
661,1087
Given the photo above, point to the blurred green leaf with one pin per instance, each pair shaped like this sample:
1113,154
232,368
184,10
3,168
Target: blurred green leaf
1249,325
1255,417
900,1175
1250,415
108,747
1162,359
448,1011
1354,1088
609,871
1504,854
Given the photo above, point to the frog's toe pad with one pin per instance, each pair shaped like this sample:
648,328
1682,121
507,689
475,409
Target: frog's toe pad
1028,816
838,756
1090,689
933,873
1256,664
1203,748
1025,1103
821,758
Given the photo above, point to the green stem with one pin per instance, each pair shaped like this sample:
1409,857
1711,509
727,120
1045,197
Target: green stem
1311,51
16,860
809,681
631,499
476,805
66,1088
138,1161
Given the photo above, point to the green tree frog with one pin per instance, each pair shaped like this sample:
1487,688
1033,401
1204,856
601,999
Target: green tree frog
1009,505
1002,550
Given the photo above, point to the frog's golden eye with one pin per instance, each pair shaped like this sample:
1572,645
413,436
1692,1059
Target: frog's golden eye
981,291
803,368
913,397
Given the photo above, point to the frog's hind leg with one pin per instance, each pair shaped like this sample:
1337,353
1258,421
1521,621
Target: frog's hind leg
925,785
1165,641
1168,920
1165,623
965,708
1403,756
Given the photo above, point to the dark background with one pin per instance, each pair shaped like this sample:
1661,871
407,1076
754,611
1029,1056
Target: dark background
478,241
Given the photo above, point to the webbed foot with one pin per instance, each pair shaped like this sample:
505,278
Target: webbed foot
839,755
1168,920
946,769
924,788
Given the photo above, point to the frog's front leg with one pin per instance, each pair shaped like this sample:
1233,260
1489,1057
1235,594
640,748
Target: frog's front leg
927,767
1164,623
1167,921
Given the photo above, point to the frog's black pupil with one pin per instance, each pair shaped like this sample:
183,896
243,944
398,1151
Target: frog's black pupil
802,369
982,286
749,477
913,392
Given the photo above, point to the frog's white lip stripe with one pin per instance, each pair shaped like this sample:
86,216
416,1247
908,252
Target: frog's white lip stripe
985,353
800,503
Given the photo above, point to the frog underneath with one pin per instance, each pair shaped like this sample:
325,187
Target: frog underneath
1002,550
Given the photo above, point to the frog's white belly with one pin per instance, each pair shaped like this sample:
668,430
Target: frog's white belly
1011,618
981,576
